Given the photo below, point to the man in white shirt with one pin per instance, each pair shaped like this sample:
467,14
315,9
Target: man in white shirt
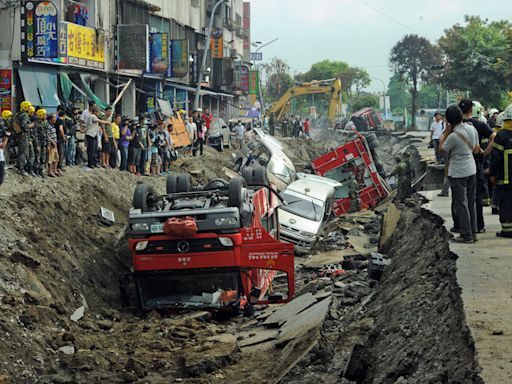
436,131
238,132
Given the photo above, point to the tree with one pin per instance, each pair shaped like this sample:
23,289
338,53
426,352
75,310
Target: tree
278,78
399,95
325,69
363,100
473,53
412,59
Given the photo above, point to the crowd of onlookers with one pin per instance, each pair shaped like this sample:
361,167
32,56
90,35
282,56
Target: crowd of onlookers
476,147
38,143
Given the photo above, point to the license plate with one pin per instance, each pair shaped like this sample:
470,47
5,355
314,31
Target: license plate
157,228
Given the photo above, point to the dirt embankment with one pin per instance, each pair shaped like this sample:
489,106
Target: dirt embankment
412,326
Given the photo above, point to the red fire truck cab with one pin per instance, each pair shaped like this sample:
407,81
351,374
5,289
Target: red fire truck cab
213,247
348,163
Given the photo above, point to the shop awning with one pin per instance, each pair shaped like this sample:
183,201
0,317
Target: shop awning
165,107
100,103
40,86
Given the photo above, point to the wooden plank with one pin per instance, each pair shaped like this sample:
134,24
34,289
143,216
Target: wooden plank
389,224
332,257
258,336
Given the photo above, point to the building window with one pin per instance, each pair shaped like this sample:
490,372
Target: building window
80,12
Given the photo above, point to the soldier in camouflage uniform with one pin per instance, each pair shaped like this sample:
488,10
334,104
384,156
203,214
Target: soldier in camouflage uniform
354,196
31,143
404,174
21,127
7,123
40,142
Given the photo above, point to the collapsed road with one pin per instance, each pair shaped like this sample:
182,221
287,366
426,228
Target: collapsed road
376,301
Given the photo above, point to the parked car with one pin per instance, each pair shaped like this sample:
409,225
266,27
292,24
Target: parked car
280,169
219,134
309,205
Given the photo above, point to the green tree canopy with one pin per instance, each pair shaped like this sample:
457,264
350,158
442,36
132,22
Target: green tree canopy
412,59
363,100
473,51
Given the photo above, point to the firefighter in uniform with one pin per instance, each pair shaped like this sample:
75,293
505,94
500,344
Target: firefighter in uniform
7,123
404,174
501,172
492,190
22,125
40,142
354,196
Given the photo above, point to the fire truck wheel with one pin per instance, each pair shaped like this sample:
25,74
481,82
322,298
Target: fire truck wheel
236,192
143,193
260,175
371,139
247,174
184,182
172,184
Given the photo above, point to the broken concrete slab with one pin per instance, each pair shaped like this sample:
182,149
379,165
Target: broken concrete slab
289,310
322,295
359,244
304,322
257,336
332,257
67,350
389,224
78,314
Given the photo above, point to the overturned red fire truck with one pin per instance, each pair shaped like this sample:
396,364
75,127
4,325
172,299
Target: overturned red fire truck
354,164
214,246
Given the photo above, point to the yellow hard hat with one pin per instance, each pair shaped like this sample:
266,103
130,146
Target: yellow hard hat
25,105
31,109
6,114
41,113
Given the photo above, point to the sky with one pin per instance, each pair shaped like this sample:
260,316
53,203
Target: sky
359,32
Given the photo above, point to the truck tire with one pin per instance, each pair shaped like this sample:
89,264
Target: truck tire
171,184
236,192
371,139
260,175
143,193
255,174
184,182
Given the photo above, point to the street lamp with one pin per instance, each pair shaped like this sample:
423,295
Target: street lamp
383,95
254,63
205,54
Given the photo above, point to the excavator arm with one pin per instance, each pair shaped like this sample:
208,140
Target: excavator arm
314,88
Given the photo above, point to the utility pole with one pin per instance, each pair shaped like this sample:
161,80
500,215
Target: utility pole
262,103
383,95
205,54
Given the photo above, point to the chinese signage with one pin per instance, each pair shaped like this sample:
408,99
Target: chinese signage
132,47
179,55
217,44
253,82
244,78
39,26
81,46
159,53
5,89
247,29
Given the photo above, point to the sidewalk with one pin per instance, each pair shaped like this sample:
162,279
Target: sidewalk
484,272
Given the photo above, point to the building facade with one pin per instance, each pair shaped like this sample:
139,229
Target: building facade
139,56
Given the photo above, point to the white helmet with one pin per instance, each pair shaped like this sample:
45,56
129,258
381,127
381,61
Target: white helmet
477,109
492,111
507,113
499,120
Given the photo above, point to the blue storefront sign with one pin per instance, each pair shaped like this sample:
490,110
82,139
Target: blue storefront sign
159,53
40,28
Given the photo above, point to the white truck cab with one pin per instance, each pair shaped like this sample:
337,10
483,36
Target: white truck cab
309,204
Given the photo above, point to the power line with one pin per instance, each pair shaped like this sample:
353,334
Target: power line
387,16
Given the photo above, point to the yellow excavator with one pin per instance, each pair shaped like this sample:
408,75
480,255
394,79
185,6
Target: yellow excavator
331,87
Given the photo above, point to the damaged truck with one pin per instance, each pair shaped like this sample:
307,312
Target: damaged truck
214,247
